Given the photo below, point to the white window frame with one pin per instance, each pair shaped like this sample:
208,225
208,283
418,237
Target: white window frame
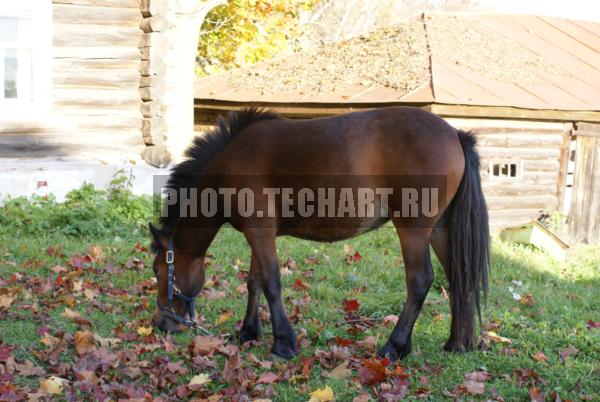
39,105
518,166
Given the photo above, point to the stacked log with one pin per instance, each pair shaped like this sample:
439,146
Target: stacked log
153,48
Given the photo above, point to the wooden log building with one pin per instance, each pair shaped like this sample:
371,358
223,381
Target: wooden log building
528,86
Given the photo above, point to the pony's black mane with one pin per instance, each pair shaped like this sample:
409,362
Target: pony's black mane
204,149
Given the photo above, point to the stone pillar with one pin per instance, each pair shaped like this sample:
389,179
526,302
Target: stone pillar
168,49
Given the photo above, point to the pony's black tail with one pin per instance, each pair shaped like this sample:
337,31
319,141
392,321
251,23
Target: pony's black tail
468,233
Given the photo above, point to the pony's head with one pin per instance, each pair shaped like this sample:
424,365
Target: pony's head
179,279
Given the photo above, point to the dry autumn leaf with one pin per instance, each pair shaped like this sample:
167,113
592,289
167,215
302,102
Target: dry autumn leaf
340,372
322,395
494,337
52,385
84,342
144,331
199,379
224,317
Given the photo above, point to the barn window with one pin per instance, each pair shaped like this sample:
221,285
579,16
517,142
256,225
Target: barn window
505,169
25,45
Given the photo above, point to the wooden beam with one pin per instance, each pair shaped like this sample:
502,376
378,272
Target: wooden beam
503,112
130,53
94,35
78,14
102,3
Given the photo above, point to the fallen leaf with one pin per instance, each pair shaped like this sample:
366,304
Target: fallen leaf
478,376
369,343
267,378
474,387
527,300
205,345
351,305
540,357
591,324
199,379
565,353
322,395
372,372
144,331
52,385
105,342
224,317
340,372
536,395
494,337
84,342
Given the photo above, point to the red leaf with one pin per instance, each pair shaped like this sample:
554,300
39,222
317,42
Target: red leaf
343,341
591,324
299,285
351,305
357,257
372,372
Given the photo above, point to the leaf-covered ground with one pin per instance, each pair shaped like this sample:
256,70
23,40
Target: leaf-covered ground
75,313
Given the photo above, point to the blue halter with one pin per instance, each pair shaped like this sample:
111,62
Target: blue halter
173,291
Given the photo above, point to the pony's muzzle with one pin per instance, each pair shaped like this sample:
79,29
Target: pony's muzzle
166,324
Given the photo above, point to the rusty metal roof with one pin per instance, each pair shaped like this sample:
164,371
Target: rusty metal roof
485,60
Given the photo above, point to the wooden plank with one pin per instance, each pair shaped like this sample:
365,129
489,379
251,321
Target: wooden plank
154,24
99,64
108,121
96,78
519,153
102,3
541,165
510,217
302,110
121,53
563,167
540,177
524,202
517,189
584,214
522,140
99,98
91,35
151,8
78,14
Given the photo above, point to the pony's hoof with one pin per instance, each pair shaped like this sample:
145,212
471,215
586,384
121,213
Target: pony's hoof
249,334
454,346
392,352
286,349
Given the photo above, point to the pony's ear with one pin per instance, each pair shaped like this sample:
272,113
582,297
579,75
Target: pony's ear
160,238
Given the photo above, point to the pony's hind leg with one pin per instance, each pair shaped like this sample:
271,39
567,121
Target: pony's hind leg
419,277
262,242
251,327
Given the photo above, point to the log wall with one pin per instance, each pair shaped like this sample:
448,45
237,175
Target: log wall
95,70
538,151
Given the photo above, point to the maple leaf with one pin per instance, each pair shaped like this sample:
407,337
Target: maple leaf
52,385
372,372
474,387
205,345
322,395
351,305
144,331
299,285
84,342
340,372
536,395
267,378
591,324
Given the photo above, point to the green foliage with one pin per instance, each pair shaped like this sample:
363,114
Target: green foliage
247,31
86,211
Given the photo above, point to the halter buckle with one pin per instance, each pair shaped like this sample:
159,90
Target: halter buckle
170,257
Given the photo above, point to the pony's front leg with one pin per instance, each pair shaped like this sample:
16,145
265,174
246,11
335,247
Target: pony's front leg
419,277
251,327
262,242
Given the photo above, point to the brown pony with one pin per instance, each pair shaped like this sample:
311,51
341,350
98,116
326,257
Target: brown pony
394,147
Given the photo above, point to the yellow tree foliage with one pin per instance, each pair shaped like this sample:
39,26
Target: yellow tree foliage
247,31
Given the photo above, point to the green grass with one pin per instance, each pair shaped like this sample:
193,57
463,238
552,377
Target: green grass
565,295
